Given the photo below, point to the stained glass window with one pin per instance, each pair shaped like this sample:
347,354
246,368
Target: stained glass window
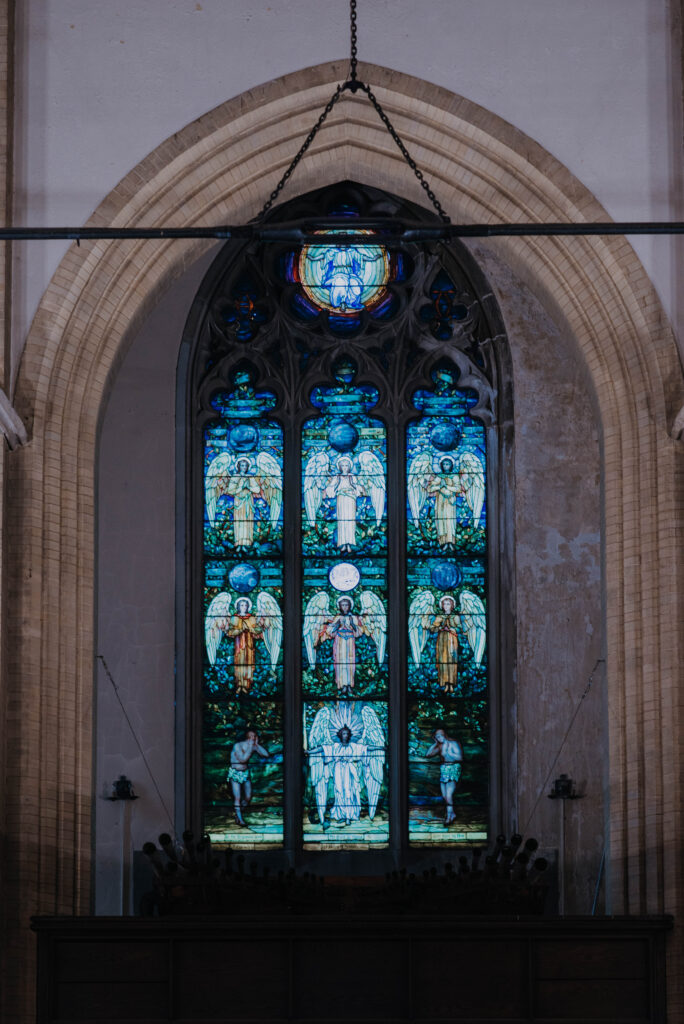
243,618
447,622
344,623
346,407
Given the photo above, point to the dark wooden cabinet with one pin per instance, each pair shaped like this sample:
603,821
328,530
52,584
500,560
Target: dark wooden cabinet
351,968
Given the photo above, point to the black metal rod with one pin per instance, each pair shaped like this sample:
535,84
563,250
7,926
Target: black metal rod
388,232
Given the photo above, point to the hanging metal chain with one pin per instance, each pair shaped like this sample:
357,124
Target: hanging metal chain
353,61
305,145
405,153
354,85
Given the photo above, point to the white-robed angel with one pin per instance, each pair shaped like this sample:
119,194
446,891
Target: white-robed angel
457,477
246,481
245,629
343,273
344,628
346,746
424,619
345,487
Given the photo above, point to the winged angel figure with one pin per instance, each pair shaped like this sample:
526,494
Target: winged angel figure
424,620
344,487
236,477
245,630
347,745
462,477
343,272
344,629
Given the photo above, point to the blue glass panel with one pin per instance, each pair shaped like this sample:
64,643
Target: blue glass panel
243,460
345,775
448,771
446,460
243,757
243,627
447,621
344,474
447,626
243,619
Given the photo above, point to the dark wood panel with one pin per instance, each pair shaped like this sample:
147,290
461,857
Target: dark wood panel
350,968
104,1000
588,958
240,979
604,999
350,979
109,961
455,979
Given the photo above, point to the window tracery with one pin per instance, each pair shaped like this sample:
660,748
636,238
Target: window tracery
345,401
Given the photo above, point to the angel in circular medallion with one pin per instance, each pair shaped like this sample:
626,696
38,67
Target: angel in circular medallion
343,278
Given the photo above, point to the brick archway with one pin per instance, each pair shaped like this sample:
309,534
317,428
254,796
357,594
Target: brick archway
219,169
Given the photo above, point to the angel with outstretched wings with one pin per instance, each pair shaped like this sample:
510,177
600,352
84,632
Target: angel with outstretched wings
344,486
343,272
346,745
344,629
245,630
460,477
245,482
424,619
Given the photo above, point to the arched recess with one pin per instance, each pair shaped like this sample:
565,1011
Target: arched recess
219,169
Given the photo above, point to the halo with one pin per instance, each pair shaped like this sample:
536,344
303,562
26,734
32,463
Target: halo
345,458
438,459
243,598
345,597
447,597
242,458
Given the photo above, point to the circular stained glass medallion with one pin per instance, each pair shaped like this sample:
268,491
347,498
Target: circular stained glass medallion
344,576
243,438
343,436
445,436
445,575
344,278
243,577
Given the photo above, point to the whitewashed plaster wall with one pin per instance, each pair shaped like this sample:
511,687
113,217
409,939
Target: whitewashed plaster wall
136,593
100,83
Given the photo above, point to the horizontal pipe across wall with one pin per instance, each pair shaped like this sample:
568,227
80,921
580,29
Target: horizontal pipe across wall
393,232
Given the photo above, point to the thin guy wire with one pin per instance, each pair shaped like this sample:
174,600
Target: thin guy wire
142,752
599,661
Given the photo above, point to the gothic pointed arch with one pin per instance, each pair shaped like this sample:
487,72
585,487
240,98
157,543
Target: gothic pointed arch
213,171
